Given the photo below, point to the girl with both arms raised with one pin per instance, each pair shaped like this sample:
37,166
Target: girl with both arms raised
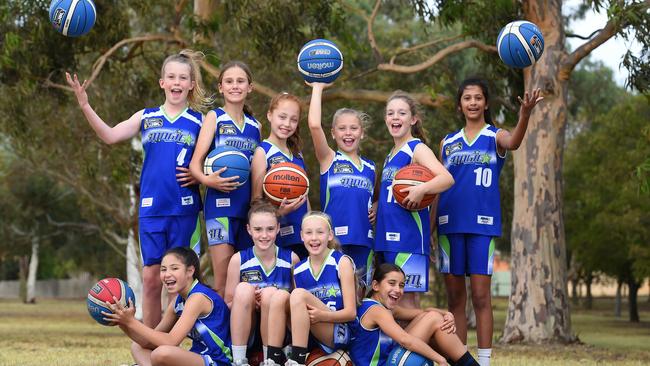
169,197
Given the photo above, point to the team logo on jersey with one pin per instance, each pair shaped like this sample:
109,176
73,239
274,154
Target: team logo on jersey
153,123
475,157
227,130
413,280
449,149
242,144
388,174
344,168
277,160
168,135
325,292
251,276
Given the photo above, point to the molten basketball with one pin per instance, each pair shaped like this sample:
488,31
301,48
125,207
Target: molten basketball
408,176
103,292
285,180
318,358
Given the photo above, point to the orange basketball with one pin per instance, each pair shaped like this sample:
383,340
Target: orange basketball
285,180
408,176
318,358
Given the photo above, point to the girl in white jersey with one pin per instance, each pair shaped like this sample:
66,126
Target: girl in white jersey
170,201
469,214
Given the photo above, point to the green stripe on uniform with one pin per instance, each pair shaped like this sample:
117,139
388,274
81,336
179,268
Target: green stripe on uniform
443,242
401,259
195,240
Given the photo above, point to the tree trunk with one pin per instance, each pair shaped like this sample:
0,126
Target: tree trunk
133,264
538,310
617,301
30,297
589,299
23,269
633,286
204,10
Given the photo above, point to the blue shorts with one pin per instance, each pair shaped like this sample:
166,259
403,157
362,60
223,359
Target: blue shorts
415,266
161,233
228,230
341,338
363,259
465,254
289,235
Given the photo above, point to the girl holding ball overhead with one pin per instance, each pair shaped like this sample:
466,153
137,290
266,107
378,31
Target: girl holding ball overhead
169,197
469,214
402,235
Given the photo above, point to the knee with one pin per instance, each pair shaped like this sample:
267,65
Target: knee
244,294
434,318
298,297
457,298
482,299
266,295
279,300
161,355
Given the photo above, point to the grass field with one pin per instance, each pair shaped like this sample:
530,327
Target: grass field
60,332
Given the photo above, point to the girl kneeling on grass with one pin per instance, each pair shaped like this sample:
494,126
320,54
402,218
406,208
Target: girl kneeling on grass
197,311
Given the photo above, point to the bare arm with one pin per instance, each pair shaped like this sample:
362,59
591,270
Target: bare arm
110,135
232,278
258,170
441,182
323,152
512,140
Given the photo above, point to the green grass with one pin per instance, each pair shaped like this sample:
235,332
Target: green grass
60,332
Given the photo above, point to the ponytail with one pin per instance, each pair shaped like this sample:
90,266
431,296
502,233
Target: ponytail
197,98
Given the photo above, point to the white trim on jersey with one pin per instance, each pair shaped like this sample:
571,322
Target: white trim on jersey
274,150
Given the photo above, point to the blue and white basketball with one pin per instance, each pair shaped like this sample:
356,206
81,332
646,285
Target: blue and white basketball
320,61
400,356
235,161
72,18
520,44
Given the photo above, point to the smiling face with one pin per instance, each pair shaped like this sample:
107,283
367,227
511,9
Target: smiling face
263,228
175,275
399,118
177,82
389,290
347,132
235,85
284,119
316,233
473,103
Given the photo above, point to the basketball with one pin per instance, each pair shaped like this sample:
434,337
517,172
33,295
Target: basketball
72,18
520,44
320,61
103,292
235,161
317,357
408,176
400,356
285,180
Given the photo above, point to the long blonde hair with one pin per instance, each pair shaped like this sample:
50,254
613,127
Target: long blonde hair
332,244
197,98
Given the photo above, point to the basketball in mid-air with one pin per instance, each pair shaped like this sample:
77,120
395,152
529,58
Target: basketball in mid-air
102,292
285,180
520,44
400,356
408,176
233,159
338,358
72,18
320,61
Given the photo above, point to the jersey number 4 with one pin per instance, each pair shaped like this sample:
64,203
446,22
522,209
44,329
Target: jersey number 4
483,177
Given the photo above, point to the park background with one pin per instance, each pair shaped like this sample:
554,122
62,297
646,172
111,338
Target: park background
576,195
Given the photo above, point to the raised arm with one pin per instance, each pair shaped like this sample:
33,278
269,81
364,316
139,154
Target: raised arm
511,140
323,152
110,135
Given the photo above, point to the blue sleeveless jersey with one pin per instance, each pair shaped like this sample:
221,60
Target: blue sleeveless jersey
472,205
290,224
211,333
368,347
252,271
168,143
346,195
325,285
237,202
398,229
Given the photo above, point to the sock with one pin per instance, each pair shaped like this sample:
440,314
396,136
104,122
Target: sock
299,354
275,354
484,356
238,352
466,360
265,351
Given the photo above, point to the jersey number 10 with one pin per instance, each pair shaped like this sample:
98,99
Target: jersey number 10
483,177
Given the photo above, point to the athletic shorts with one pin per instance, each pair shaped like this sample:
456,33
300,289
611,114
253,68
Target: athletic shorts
415,266
363,262
341,338
161,233
228,230
465,254
289,235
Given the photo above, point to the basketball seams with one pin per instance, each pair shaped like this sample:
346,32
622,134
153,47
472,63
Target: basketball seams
68,17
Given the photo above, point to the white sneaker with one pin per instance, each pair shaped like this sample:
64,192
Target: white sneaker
242,362
268,362
291,362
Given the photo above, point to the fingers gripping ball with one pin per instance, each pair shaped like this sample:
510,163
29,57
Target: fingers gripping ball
318,358
409,176
320,60
233,159
285,180
400,356
72,18
102,292
520,44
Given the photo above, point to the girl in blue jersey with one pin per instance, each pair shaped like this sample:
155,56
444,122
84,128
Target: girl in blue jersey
402,236
259,280
196,311
282,145
169,197
375,332
347,181
227,203
324,300
469,214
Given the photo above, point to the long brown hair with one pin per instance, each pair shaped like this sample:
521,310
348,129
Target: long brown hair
197,98
416,130
249,76
294,142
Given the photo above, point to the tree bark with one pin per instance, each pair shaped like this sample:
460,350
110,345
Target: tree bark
538,310
617,301
30,297
133,263
589,299
23,269
633,287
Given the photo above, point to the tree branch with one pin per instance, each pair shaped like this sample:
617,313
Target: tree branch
573,35
382,96
371,34
610,29
421,46
260,88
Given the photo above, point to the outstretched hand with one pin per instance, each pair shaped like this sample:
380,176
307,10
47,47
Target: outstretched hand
530,100
78,88
120,315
